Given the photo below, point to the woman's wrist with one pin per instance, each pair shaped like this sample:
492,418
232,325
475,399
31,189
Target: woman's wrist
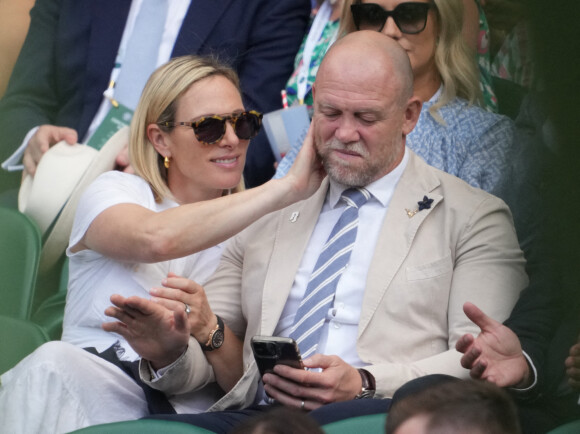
288,190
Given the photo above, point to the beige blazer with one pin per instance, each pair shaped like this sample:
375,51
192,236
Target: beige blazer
464,248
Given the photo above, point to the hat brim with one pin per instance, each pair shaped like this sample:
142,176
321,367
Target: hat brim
58,237
42,196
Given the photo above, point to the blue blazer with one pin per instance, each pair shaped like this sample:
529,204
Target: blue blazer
70,50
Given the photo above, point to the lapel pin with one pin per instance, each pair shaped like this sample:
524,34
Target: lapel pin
423,204
411,213
294,217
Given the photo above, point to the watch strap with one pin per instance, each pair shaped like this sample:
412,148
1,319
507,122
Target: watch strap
368,385
219,328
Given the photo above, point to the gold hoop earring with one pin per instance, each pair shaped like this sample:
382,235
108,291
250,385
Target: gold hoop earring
166,162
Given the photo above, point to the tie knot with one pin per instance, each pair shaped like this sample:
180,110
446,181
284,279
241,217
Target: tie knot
356,197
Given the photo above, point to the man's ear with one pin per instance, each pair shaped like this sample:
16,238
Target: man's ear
412,113
158,139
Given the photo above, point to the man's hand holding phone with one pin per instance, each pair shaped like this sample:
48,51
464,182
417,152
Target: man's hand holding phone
309,390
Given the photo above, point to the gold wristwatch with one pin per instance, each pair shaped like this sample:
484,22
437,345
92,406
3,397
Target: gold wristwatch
215,338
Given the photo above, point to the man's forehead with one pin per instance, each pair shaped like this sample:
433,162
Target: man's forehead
333,95
356,82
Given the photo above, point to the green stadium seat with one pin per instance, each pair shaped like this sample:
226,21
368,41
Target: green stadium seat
369,424
19,257
144,427
569,428
18,338
50,313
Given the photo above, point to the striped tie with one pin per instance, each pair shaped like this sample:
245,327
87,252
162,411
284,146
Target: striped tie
329,267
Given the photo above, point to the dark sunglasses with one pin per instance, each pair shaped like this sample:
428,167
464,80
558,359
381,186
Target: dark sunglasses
410,17
211,129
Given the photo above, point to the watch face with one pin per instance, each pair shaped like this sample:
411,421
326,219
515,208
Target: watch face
217,339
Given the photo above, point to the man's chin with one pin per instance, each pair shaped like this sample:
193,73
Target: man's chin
346,176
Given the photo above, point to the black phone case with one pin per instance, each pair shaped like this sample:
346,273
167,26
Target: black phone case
269,351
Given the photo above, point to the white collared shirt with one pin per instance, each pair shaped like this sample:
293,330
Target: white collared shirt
339,334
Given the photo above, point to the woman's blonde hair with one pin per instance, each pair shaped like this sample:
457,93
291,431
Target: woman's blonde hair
455,60
158,103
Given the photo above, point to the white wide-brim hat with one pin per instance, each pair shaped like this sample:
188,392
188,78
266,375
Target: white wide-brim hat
50,198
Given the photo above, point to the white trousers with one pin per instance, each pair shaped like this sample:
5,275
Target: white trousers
60,388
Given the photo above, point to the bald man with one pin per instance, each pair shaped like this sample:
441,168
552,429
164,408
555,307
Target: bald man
425,243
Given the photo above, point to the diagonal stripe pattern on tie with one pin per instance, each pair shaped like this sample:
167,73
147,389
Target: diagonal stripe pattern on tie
329,267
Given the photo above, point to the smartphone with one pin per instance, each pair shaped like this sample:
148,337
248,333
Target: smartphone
271,350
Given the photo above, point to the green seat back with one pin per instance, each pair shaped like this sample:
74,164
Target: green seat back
19,256
569,428
369,424
144,427
50,313
18,338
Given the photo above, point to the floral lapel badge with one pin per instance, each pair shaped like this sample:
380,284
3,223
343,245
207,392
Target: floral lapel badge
423,204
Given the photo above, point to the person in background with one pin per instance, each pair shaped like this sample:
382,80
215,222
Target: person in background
14,21
476,33
452,406
321,35
551,337
535,353
453,134
513,60
148,235
81,69
280,420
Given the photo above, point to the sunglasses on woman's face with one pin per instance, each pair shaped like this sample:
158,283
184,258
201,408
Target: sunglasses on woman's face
211,129
410,17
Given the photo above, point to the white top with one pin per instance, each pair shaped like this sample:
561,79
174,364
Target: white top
93,278
339,333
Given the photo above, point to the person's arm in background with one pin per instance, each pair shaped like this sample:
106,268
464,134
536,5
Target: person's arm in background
31,98
497,353
59,76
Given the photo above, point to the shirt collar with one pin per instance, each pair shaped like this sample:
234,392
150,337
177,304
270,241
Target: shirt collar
381,189
434,98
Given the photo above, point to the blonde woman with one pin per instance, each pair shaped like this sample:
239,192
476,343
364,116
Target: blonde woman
155,235
453,133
